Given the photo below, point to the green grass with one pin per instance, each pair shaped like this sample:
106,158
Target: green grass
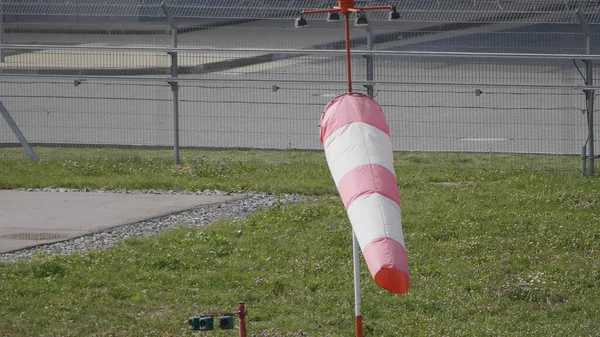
274,171
225,170
492,253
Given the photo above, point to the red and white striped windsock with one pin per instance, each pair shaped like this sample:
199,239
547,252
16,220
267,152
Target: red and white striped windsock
358,147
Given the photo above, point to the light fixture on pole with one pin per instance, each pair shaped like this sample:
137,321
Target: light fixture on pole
333,16
361,19
393,14
347,7
300,21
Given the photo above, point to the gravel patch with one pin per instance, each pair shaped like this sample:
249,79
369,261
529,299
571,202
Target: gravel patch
248,203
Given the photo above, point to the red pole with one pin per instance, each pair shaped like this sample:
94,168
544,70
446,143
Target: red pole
373,8
318,11
359,330
242,314
348,60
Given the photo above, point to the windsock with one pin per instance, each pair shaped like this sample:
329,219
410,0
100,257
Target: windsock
358,147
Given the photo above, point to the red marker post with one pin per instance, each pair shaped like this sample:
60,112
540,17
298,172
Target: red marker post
241,312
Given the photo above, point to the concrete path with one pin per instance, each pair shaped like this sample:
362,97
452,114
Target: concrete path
266,34
31,218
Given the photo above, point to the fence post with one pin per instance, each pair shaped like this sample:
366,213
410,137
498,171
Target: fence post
17,132
175,89
1,30
589,94
174,83
589,97
583,160
369,57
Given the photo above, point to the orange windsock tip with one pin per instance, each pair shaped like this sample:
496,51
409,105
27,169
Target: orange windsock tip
388,264
392,280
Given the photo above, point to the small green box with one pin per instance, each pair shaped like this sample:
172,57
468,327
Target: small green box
203,323
226,322
194,323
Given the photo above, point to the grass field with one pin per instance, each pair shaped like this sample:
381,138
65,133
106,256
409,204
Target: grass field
492,252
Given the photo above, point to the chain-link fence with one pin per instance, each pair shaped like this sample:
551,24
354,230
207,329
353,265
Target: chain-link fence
489,11
252,99
236,80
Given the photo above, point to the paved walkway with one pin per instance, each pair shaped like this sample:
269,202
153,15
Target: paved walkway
269,34
31,218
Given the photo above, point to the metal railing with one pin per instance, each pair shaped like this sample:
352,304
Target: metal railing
79,90
92,96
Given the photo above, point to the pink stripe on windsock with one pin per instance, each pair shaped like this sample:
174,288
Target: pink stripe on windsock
388,264
368,179
357,108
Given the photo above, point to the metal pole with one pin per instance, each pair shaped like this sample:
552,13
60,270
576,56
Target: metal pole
583,160
242,315
175,89
174,84
348,57
17,132
588,44
369,57
1,31
589,94
357,314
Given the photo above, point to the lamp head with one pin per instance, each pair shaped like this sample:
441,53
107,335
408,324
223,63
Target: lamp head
300,21
334,16
361,19
393,14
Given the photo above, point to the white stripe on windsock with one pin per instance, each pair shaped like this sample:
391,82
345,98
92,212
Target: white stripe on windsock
375,209
357,144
